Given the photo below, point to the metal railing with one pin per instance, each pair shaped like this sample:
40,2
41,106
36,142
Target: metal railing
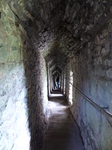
102,110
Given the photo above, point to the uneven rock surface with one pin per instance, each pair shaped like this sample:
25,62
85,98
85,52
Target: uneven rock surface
63,132
39,39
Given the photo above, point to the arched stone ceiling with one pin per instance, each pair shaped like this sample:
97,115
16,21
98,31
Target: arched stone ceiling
56,70
61,28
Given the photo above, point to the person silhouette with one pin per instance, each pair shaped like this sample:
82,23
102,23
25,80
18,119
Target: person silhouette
57,80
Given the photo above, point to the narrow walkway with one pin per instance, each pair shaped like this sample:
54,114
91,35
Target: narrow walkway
63,133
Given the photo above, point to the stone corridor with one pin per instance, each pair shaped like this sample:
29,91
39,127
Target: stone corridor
49,45
63,132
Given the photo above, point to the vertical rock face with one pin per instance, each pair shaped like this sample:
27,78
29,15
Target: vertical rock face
37,94
23,86
14,126
92,75
58,32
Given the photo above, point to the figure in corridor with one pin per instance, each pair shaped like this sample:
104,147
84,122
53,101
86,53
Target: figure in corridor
57,81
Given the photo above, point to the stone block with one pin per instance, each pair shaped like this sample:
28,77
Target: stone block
99,61
109,73
110,27
3,54
97,40
104,51
108,62
104,33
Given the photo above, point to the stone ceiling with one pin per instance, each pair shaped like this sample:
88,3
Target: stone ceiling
63,26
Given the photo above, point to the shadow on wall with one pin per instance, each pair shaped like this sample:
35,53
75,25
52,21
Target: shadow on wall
34,99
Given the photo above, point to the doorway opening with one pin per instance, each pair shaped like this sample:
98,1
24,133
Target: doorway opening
57,81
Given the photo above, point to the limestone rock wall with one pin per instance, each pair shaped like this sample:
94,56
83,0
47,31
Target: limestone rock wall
92,75
36,74
74,23
14,125
23,86
67,85
57,31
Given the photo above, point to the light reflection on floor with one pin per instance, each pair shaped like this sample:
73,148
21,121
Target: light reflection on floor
56,95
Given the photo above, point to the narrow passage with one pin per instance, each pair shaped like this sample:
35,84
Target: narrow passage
62,133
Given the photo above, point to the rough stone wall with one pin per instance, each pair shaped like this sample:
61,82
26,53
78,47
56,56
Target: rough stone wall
36,75
92,71
51,81
43,83
62,82
23,86
75,23
67,84
14,125
64,28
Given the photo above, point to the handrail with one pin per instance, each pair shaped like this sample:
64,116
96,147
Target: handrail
107,114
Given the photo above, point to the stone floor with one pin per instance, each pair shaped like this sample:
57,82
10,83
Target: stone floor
62,133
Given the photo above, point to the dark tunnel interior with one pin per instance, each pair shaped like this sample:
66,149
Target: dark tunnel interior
55,55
